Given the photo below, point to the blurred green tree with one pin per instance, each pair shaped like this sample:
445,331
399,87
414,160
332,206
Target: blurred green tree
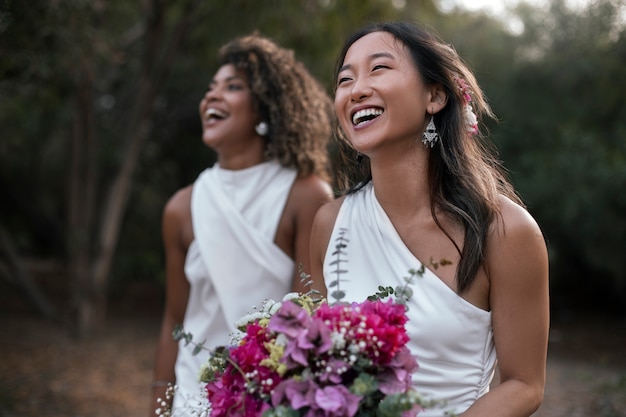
99,101
562,130
98,108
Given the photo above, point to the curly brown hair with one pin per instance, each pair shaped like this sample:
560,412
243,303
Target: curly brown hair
289,99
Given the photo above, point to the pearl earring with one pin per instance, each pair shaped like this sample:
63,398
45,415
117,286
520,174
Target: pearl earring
261,129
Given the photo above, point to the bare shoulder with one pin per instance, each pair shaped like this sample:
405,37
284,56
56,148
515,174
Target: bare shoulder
328,212
324,220
516,244
515,222
179,203
311,188
177,224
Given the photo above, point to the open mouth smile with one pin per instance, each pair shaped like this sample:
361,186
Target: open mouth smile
214,114
365,115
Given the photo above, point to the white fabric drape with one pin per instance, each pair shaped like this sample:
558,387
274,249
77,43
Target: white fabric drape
233,264
451,338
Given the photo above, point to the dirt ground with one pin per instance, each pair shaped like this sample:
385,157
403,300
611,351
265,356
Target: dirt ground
45,373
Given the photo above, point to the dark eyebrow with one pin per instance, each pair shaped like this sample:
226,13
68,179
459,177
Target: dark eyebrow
227,79
381,55
371,58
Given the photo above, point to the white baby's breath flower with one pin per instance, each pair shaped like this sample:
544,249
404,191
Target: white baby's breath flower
353,348
267,305
281,340
248,318
275,307
339,342
291,296
236,337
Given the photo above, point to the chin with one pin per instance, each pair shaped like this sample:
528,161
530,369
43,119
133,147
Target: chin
210,141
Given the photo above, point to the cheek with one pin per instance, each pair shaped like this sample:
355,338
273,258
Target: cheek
340,99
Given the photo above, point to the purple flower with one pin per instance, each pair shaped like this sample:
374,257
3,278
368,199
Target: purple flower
397,376
333,371
314,340
337,401
295,394
290,320
316,337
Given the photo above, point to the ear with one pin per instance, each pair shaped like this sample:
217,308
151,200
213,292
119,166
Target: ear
437,98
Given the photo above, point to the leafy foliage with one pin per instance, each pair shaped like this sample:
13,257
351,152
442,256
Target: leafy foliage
557,88
561,134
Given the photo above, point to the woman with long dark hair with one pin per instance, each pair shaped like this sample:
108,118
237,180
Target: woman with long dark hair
425,189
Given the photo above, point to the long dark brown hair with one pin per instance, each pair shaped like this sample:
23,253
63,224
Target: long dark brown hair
466,178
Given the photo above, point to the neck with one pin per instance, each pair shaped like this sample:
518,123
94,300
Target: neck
250,155
401,184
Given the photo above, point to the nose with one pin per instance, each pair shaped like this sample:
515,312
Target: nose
360,90
213,93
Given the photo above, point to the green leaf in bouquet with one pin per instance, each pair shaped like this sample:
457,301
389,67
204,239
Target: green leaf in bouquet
364,384
198,348
180,334
281,411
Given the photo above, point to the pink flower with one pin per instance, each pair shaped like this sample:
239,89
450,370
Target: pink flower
397,377
337,401
312,341
333,371
386,333
324,352
290,320
224,397
295,394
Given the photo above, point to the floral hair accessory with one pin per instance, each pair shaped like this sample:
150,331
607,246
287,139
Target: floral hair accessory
468,112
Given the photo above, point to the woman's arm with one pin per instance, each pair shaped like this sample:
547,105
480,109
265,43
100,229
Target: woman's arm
308,195
517,263
176,226
321,231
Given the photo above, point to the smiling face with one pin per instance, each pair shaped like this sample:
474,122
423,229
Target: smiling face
227,111
380,97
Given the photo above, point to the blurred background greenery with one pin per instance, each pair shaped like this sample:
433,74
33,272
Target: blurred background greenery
99,127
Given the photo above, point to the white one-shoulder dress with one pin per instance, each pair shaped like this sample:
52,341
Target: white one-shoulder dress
451,338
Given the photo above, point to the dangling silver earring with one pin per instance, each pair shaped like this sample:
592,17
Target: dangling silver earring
430,135
261,129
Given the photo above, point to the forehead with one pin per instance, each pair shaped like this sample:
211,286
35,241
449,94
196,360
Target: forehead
373,45
228,72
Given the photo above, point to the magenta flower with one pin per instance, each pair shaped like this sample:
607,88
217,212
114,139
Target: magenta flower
324,352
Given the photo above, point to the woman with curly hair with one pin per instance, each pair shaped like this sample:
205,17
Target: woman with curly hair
425,188
240,233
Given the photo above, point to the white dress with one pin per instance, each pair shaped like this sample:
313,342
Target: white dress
451,338
232,265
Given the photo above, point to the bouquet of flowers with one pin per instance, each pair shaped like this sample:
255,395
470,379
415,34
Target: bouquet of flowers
305,357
